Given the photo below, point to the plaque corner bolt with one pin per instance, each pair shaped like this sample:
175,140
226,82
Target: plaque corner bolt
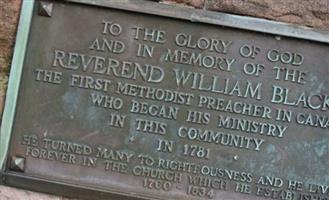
17,163
45,8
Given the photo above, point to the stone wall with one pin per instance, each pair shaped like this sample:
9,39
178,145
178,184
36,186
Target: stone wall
9,11
312,13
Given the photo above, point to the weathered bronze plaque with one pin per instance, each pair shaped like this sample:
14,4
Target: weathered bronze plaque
122,100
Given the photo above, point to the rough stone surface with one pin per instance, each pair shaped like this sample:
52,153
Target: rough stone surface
192,3
9,10
313,13
8,193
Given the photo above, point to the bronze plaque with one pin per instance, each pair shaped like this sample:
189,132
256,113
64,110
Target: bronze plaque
118,102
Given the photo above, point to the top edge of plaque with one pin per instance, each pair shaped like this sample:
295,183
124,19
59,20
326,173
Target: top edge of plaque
214,17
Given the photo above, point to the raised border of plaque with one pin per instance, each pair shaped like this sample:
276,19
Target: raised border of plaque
14,178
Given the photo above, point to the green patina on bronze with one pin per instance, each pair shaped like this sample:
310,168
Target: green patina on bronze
15,77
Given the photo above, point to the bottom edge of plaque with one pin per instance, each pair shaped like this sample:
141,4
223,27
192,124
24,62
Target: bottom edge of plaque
63,189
